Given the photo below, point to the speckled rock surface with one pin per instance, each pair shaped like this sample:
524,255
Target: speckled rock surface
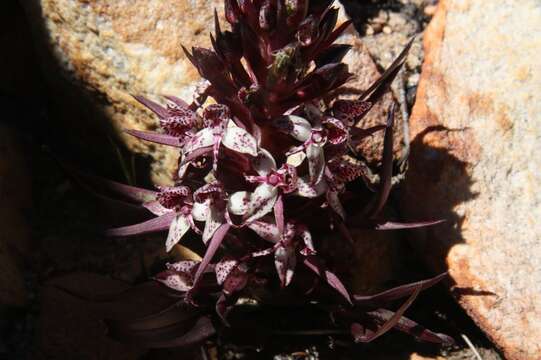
97,53
476,135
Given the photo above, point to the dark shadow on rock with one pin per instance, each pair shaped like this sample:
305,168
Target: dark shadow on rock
71,122
436,184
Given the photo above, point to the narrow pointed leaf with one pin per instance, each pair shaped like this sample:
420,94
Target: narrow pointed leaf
96,184
171,315
156,208
332,54
328,276
359,334
155,107
181,334
391,225
160,223
397,292
412,328
358,134
213,246
386,172
178,102
384,81
155,137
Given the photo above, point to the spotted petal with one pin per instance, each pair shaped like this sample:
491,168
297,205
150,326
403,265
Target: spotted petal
316,162
285,261
306,237
200,211
267,231
337,132
264,162
156,208
261,202
295,126
215,219
335,204
306,189
179,275
239,140
223,268
176,281
203,138
179,227
238,202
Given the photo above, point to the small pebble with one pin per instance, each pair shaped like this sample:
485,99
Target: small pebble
369,30
387,30
430,10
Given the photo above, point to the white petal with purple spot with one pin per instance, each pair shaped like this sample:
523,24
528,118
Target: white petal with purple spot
239,140
178,228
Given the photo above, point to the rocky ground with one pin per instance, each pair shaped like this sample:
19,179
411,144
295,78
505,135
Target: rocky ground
64,221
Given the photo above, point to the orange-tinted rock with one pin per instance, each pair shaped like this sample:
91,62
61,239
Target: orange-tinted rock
475,161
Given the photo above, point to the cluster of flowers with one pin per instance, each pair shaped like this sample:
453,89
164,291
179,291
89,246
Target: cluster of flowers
270,162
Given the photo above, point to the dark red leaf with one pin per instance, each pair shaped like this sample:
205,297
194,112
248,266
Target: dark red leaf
155,137
412,328
386,172
232,11
361,335
397,292
332,54
181,333
159,223
155,107
380,86
391,225
213,246
314,265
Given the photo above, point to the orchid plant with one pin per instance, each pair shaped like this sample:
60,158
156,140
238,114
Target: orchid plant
269,165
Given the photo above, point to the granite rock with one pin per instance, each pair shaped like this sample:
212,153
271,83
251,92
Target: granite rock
476,135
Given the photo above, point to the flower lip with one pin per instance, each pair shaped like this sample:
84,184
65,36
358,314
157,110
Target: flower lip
174,197
274,179
212,192
216,115
319,137
284,178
